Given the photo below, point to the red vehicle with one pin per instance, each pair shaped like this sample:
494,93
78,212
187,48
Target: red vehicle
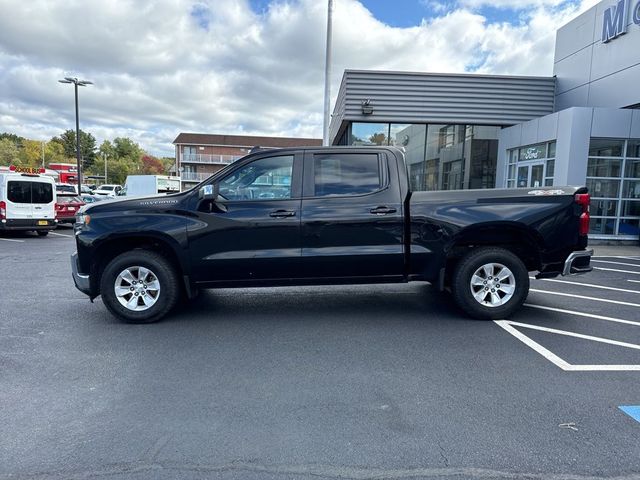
66,208
67,172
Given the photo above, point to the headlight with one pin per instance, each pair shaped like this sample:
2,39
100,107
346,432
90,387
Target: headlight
83,218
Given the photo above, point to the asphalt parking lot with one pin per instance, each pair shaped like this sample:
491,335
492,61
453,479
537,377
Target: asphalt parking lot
385,382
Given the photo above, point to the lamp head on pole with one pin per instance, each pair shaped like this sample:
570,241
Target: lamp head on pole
80,83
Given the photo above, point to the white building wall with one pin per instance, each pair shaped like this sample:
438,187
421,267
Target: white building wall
572,129
591,73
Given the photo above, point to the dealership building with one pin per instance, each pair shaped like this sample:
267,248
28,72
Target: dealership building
580,126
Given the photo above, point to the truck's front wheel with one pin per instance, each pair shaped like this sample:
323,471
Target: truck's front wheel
490,283
139,286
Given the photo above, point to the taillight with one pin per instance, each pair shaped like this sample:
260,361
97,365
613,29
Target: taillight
3,210
584,199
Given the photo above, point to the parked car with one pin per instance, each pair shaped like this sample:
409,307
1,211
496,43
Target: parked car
66,188
67,206
91,198
27,202
108,190
348,216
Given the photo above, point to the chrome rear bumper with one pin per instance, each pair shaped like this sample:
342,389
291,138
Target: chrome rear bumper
578,262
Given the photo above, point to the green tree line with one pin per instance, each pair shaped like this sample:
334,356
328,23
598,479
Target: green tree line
122,155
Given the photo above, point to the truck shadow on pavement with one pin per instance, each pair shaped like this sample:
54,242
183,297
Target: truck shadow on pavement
341,303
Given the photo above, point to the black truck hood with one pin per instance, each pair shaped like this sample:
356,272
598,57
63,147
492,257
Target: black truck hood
151,202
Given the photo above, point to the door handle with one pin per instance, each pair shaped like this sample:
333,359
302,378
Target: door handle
382,210
282,213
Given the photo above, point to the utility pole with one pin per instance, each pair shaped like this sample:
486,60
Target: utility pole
104,156
327,77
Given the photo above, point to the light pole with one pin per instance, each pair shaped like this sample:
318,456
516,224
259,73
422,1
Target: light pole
104,156
77,83
327,76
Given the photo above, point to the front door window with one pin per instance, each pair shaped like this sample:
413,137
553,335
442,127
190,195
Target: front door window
264,179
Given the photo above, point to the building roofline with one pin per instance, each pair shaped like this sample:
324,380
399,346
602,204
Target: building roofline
443,74
238,140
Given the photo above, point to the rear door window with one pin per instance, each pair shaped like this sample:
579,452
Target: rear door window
19,192
41,192
347,174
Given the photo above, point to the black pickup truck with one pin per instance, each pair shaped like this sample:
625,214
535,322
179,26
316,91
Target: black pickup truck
332,215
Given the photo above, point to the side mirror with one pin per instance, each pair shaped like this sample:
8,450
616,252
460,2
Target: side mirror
209,192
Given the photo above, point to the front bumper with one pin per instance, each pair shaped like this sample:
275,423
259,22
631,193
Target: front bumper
578,262
28,224
82,281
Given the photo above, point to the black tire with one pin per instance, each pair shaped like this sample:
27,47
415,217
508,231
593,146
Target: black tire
470,264
161,268
42,233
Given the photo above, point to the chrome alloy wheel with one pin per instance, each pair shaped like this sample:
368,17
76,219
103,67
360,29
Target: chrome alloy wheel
137,288
493,285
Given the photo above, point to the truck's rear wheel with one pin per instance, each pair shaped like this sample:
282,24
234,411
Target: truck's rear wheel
42,233
490,283
139,286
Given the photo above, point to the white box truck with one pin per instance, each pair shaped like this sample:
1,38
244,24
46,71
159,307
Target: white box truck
142,185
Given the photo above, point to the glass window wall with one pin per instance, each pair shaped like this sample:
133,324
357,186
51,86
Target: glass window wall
613,179
439,156
535,165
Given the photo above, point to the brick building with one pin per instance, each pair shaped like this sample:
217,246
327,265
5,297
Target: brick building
198,155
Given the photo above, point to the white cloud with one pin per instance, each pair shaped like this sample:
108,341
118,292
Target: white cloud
165,66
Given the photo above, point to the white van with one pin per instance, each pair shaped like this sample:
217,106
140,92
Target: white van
27,202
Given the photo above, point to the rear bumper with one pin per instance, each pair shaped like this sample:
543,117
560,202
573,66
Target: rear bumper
81,280
578,262
28,224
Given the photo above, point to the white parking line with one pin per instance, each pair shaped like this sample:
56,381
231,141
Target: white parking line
12,240
617,302
583,314
559,362
60,234
634,281
576,335
616,270
591,285
546,353
616,263
627,257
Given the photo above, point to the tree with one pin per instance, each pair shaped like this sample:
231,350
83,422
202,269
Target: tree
378,139
16,139
118,171
126,148
87,146
9,152
53,153
151,166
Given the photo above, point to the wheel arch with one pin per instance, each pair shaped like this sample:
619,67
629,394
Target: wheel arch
521,240
110,248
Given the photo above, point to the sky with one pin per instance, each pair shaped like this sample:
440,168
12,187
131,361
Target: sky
248,67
